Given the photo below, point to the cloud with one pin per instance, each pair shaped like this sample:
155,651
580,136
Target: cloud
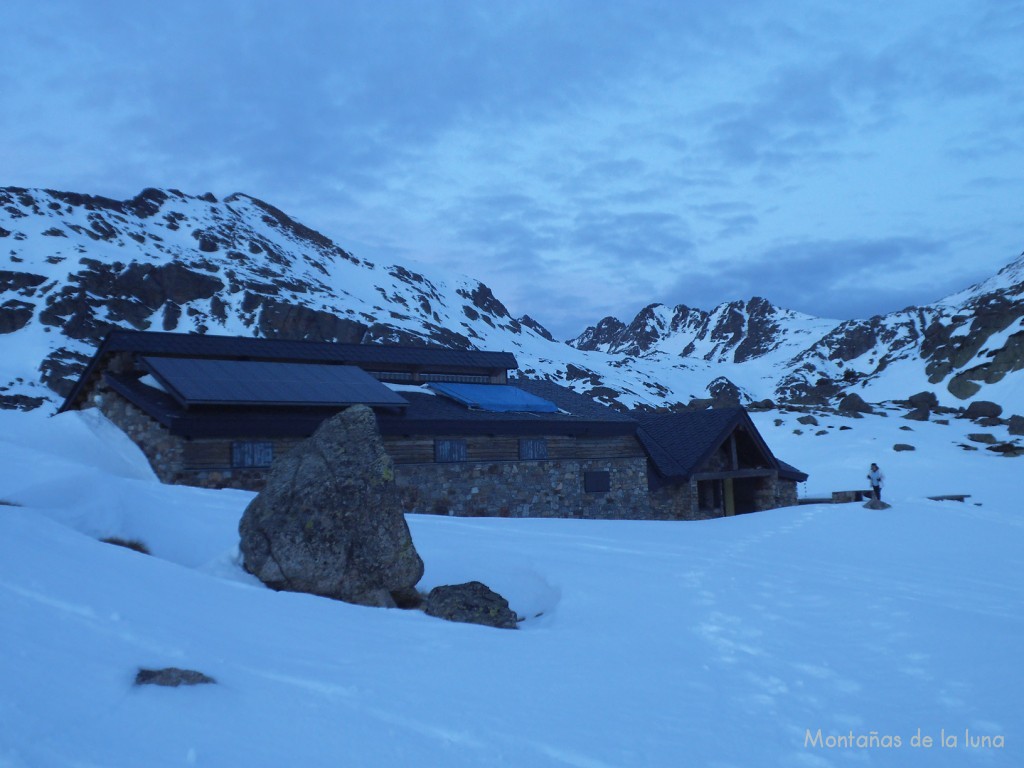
841,279
578,157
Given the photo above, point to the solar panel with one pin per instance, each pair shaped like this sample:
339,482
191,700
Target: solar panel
195,381
496,398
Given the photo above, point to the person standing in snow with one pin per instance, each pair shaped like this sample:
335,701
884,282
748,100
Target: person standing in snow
876,478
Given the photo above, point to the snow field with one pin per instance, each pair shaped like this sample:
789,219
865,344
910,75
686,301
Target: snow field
718,643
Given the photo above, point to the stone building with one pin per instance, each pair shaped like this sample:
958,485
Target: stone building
465,438
712,463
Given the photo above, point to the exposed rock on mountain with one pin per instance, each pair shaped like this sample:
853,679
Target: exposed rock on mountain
959,345
73,266
77,265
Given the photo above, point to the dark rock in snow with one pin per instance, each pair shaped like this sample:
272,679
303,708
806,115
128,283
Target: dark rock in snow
329,521
918,414
172,677
1016,425
15,315
982,409
20,402
990,421
473,603
529,322
982,437
808,420
926,400
1007,449
854,403
903,447
724,392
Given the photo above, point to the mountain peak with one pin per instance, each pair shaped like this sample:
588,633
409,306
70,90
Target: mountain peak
75,266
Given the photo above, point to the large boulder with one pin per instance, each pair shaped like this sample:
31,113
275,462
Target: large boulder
328,520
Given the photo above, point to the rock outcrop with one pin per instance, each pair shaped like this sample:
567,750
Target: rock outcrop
329,522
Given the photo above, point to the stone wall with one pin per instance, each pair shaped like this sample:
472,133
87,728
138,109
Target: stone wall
785,493
525,488
544,488
678,501
675,501
202,463
164,450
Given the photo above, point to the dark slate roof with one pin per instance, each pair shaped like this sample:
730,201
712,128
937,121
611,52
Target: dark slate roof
423,414
789,472
159,344
678,444
240,347
218,422
197,381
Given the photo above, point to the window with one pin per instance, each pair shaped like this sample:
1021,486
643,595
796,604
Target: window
463,378
392,376
533,448
597,482
251,454
449,450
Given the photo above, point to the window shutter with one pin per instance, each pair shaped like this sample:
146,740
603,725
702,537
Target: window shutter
251,454
533,448
449,450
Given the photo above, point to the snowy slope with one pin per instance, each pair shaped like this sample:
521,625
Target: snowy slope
721,643
73,266
77,266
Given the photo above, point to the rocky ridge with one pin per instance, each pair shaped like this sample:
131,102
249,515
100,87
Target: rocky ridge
74,266
959,345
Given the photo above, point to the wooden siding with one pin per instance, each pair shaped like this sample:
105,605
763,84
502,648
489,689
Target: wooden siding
420,450
216,454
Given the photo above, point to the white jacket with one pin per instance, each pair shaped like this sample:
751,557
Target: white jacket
876,478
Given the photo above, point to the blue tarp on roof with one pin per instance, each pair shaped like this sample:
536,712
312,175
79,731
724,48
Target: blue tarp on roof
496,398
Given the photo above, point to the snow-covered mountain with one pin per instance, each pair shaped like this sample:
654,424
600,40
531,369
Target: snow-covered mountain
969,344
73,266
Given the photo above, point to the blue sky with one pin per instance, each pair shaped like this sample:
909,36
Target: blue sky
582,158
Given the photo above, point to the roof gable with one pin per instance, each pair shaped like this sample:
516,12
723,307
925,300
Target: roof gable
678,444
